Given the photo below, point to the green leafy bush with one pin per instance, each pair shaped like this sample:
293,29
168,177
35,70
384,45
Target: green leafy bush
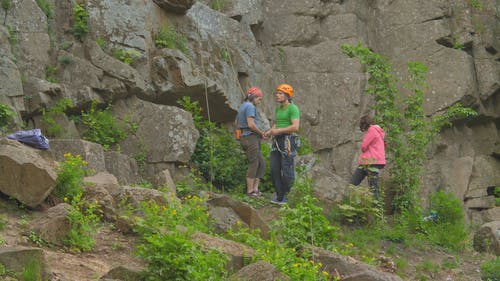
172,254
304,225
6,115
12,36
219,5
81,21
357,207
448,228
50,73
33,270
127,56
46,8
168,37
50,115
83,218
217,155
490,270
102,127
69,182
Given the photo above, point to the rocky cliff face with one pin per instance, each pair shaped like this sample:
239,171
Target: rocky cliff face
264,43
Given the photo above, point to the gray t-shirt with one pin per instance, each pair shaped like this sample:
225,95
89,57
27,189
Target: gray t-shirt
247,109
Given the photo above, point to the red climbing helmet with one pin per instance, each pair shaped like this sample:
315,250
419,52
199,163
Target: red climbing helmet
254,91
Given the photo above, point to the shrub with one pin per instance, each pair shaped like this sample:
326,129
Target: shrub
33,270
64,59
357,207
50,73
127,56
219,5
81,18
50,115
172,254
304,224
102,127
217,155
490,270
69,182
6,116
83,218
448,229
168,37
12,35
46,8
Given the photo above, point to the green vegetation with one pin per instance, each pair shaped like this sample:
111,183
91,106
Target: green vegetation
33,270
281,54
101,42
80,25
490,270
6,116
46,8
102,127
219,5
83,218
168,37
225,55
358,207
217,155
408,130
304,224
448,229
83,215
64,59
50,115
6,6
12,36
127,56
181,258
50,73
496,193
69,182
476,4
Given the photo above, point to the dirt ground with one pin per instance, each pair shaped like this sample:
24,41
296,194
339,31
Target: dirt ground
113,249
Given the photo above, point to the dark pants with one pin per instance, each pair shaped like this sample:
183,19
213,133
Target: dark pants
372,171
282,168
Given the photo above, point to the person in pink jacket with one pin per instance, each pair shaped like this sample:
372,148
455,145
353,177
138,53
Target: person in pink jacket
372,158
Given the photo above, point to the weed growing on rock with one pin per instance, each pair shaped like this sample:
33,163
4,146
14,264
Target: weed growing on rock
6,115
81,24
167,37
50,115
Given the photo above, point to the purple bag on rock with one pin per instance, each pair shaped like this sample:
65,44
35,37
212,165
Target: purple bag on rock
33,138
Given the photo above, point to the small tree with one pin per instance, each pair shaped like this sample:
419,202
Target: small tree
408,130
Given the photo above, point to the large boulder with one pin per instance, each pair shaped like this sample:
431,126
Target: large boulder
261,270
349,268
28,174
91,152
53,226
17,259
487,238
164,134
227,212
236,252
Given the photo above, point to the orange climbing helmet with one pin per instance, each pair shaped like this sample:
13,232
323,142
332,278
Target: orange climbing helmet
254,91
285,88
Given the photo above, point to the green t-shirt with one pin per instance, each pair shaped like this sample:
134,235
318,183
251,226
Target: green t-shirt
284,116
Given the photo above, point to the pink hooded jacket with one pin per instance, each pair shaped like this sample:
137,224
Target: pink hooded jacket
373,146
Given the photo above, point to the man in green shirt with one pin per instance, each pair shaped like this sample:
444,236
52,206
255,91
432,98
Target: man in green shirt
284,143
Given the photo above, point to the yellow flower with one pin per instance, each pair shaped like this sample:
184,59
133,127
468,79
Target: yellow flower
65,199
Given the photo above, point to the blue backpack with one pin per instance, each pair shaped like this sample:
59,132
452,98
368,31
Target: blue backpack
33,138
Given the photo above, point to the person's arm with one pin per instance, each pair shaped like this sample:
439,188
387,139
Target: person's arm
253,127
293,128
